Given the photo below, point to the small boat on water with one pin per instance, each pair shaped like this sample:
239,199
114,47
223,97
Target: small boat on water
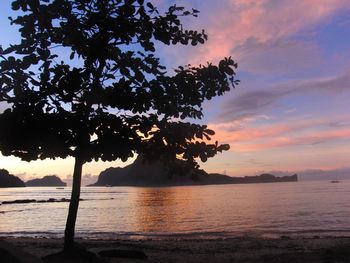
334,181
59,187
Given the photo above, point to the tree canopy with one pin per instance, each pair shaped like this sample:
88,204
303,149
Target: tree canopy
111,98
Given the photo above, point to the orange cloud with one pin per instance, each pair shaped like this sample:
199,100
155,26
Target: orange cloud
267,137
285,141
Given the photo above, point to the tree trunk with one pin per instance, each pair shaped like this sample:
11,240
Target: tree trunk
73,206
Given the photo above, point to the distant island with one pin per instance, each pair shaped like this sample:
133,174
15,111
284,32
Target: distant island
9,180
141,173
49,180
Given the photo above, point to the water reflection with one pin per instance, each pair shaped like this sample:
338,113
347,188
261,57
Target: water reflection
268,208
161,209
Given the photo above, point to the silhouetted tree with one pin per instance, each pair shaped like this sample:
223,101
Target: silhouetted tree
111,98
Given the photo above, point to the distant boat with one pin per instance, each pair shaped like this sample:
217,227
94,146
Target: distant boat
334,181
59,187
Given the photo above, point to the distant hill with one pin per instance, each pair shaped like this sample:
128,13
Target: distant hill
9,180
49,180
318,174
336,174
142,173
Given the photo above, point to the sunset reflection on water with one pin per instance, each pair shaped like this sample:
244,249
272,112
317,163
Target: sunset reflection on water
160,209
216,210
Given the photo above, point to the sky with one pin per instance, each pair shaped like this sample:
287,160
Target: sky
291,110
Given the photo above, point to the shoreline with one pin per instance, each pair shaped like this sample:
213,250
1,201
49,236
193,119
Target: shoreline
239,249
182,235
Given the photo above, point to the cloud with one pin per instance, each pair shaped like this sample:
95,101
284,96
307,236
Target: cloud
333,85
89,179
256,102
249,104
264,21
25,176
249,133
87,176
290,111
270,136
277,56
253,162
310,139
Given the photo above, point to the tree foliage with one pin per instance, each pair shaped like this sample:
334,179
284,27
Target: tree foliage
117,99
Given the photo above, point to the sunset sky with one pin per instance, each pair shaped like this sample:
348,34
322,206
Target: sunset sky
291,110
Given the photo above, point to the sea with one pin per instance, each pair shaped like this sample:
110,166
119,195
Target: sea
270,210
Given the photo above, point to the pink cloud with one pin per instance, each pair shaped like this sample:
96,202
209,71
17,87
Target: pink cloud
308,132
285,141
233,22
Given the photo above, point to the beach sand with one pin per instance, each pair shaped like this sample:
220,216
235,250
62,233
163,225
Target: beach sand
243,249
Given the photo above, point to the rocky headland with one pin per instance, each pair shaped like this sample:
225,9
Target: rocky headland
143,173
9,180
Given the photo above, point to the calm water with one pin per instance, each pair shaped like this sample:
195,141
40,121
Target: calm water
302,208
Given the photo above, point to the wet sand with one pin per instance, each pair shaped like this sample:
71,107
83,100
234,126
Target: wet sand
243,249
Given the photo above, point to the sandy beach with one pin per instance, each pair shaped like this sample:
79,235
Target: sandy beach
243,249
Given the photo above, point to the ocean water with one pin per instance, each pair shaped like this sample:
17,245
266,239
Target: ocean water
310,208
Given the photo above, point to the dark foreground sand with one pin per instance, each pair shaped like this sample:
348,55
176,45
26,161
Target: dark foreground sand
326,249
